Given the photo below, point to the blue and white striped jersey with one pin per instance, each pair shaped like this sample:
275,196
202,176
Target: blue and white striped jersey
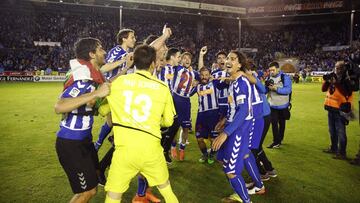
115,54
77,124
207,97
166,75
183,81
240,100
257,102
223,93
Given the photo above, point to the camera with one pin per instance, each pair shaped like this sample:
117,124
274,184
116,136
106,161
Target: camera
269,82
352,67
329,76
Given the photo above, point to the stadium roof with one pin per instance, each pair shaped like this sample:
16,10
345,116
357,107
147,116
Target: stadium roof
258,10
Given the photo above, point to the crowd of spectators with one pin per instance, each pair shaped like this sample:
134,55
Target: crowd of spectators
20,29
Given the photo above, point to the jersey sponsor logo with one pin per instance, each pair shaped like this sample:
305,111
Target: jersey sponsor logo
74,92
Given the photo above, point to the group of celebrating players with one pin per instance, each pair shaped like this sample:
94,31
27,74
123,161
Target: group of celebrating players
145,96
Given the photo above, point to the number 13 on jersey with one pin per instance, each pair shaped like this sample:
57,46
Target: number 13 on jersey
137,106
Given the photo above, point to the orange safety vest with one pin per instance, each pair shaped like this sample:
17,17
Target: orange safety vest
336,99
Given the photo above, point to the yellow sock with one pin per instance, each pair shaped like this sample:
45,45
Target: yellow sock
111,200
168,194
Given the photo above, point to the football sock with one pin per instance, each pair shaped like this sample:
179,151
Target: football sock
204,151
105,130
182,146
238,184
253,171
173,144
142,185
168,194
111,200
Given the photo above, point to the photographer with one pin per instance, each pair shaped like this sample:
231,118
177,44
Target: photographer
279,89
338,103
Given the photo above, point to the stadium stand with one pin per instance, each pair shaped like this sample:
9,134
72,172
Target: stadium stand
31,22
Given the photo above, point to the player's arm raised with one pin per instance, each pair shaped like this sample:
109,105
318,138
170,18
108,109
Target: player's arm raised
65,105
202,53
159,42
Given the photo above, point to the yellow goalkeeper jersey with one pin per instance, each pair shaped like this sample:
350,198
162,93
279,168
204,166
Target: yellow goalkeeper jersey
140,104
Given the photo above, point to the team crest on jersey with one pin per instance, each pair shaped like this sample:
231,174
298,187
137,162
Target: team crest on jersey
74,92
240,99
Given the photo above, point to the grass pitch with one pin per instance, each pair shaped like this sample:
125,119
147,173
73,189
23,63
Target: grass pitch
31,172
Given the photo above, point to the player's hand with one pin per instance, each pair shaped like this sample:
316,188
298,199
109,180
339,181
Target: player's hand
166,32
195,83
103,91
220,125
218,141
129,59
203,50
211,78
91,103
272,87
215,66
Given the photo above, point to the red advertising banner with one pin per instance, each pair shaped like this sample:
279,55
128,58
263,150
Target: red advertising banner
16,73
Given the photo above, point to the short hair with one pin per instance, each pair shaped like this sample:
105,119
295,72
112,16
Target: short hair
274,63
149,39
220,53
144,55
242,60
123,33
171,52
204,69
84,46
186,53
252,64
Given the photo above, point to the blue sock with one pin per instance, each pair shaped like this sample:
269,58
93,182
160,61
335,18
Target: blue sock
238,184
252,169
173,144
142,186
105,130
182,146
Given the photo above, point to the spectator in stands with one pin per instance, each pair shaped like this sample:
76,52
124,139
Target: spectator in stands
48,71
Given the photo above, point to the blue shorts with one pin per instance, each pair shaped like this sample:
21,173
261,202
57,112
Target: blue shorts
205,124
183,110
223,109
234,149
256,132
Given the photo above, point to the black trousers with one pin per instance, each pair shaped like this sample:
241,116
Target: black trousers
259,153
168,135
278,124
